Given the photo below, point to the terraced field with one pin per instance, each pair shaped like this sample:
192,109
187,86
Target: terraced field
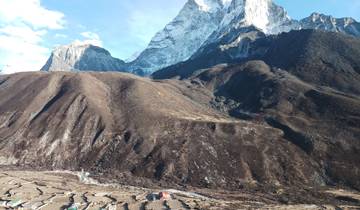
33,190
55,190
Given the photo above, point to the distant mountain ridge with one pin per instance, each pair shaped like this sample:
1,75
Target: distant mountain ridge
206,25
329,23
325,53
264,15
177,42
182,36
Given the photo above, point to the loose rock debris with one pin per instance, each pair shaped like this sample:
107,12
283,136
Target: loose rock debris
52,190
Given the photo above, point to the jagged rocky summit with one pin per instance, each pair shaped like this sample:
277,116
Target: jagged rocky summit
201,23
79,56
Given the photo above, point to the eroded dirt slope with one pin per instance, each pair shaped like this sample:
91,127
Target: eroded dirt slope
140,131
322,121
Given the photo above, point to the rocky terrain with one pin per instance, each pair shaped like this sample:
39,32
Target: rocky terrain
226,28
121,124
203,22
321,120
250,118
320,55
328,23
63,190
79,56
227,127
181,37
288,123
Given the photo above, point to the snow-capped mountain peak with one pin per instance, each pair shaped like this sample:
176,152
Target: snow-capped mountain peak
198,21
200,26
182,37
212,5
263,14
79,56
226,2
74,51
328,23
203,5
257,13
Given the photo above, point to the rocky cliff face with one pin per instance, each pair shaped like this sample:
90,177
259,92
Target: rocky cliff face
318,57
203,26
202,22
245,22
262,14
222,24
321,120
319,52
181,37
78,57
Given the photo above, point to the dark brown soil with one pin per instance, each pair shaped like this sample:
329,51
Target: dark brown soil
240,127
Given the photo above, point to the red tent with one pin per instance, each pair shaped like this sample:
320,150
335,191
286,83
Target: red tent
164,195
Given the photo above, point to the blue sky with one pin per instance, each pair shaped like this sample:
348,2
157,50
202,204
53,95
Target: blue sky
124,26
30,29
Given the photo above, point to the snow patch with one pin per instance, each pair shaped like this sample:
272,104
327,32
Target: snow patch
82,55
53,147
8,160
44,139
202,5
188,194
226,3
66,136
257,13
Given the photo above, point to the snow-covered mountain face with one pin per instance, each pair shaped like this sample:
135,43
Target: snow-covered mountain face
244,22
263,14
201,22
202,27
183,36
245,32
78,57
329,23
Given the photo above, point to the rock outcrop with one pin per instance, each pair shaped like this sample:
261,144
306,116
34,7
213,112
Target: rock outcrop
82,57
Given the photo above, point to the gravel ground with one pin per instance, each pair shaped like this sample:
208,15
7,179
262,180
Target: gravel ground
63,190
